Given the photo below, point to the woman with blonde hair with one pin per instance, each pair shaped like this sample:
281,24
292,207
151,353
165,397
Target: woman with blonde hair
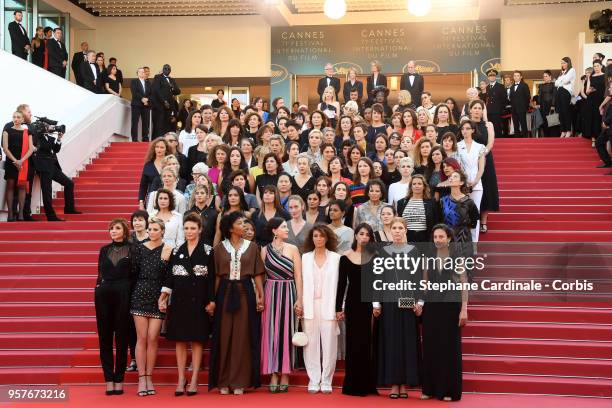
169,180
352,83
423,118
404,101
329,106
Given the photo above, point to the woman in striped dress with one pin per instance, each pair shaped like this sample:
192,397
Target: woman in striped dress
282,304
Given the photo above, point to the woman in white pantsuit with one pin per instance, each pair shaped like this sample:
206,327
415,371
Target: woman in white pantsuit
472,157
320,280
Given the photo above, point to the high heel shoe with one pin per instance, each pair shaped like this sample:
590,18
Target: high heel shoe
118,392
152,391
143,393
192,393
179,393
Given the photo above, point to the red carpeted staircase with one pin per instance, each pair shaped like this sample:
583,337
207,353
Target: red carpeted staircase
551,192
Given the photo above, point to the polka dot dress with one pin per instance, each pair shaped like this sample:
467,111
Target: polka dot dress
151,274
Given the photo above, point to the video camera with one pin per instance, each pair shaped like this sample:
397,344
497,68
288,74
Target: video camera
601,23
45,125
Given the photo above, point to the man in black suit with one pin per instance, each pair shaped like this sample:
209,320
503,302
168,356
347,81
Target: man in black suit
20,44
49,170
77,60
89,72
141,107
58,56
165,106
520,97
328,80
495,101
413,82
119,75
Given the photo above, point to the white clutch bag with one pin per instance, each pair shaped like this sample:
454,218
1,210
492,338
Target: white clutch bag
299,339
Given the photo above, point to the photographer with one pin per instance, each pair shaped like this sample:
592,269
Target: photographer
46,163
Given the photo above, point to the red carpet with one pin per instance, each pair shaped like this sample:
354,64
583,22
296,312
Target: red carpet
550,192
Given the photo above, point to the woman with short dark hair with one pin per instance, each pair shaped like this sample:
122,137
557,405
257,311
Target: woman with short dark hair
112,303
111,83
190,282
320,266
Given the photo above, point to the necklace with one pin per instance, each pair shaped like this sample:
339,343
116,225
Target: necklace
278,249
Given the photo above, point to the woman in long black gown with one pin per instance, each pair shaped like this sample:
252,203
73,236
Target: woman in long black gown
398,345
485,135
444,313
360,366
595,89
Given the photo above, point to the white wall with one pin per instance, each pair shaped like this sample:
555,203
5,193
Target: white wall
91,120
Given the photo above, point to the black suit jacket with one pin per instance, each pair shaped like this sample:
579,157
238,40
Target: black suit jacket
45,158
519,99
432,211
346,90
496,98
78,59
57,54
335,82
380,81
138,93
416,89
19,39
164,91
86,76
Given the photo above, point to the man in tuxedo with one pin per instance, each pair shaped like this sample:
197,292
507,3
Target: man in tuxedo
58,56
78,59
141,106
119,75
89,72
495,101
413,82
328,80
20,44
165,106
520,97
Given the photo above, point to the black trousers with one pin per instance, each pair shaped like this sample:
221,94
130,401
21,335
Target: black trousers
112,301
601,145
21,54
46,179
562,107
496,120
142,114
519,120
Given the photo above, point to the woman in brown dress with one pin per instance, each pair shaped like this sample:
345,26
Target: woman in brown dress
235,354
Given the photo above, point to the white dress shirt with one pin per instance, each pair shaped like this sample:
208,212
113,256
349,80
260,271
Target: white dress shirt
411,79
567,81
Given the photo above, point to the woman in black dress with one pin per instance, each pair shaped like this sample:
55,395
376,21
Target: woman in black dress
485,134
272,167
444,121
270,208
18,147
190,280
595,89
444,313
303,183
150,269
398,345
112,301
112,85
38,48
200,205
157,151
360,366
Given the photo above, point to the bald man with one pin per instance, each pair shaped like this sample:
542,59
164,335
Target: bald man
413,82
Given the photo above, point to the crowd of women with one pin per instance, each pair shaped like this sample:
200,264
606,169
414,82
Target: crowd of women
255,227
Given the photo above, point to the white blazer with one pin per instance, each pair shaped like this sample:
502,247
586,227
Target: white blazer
328,291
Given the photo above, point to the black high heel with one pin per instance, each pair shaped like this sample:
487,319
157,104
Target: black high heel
144,392
150,392
179,393
191,393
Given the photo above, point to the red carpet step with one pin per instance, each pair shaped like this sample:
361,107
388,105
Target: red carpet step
550,192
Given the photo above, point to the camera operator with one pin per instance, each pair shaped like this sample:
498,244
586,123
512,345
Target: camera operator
47,165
